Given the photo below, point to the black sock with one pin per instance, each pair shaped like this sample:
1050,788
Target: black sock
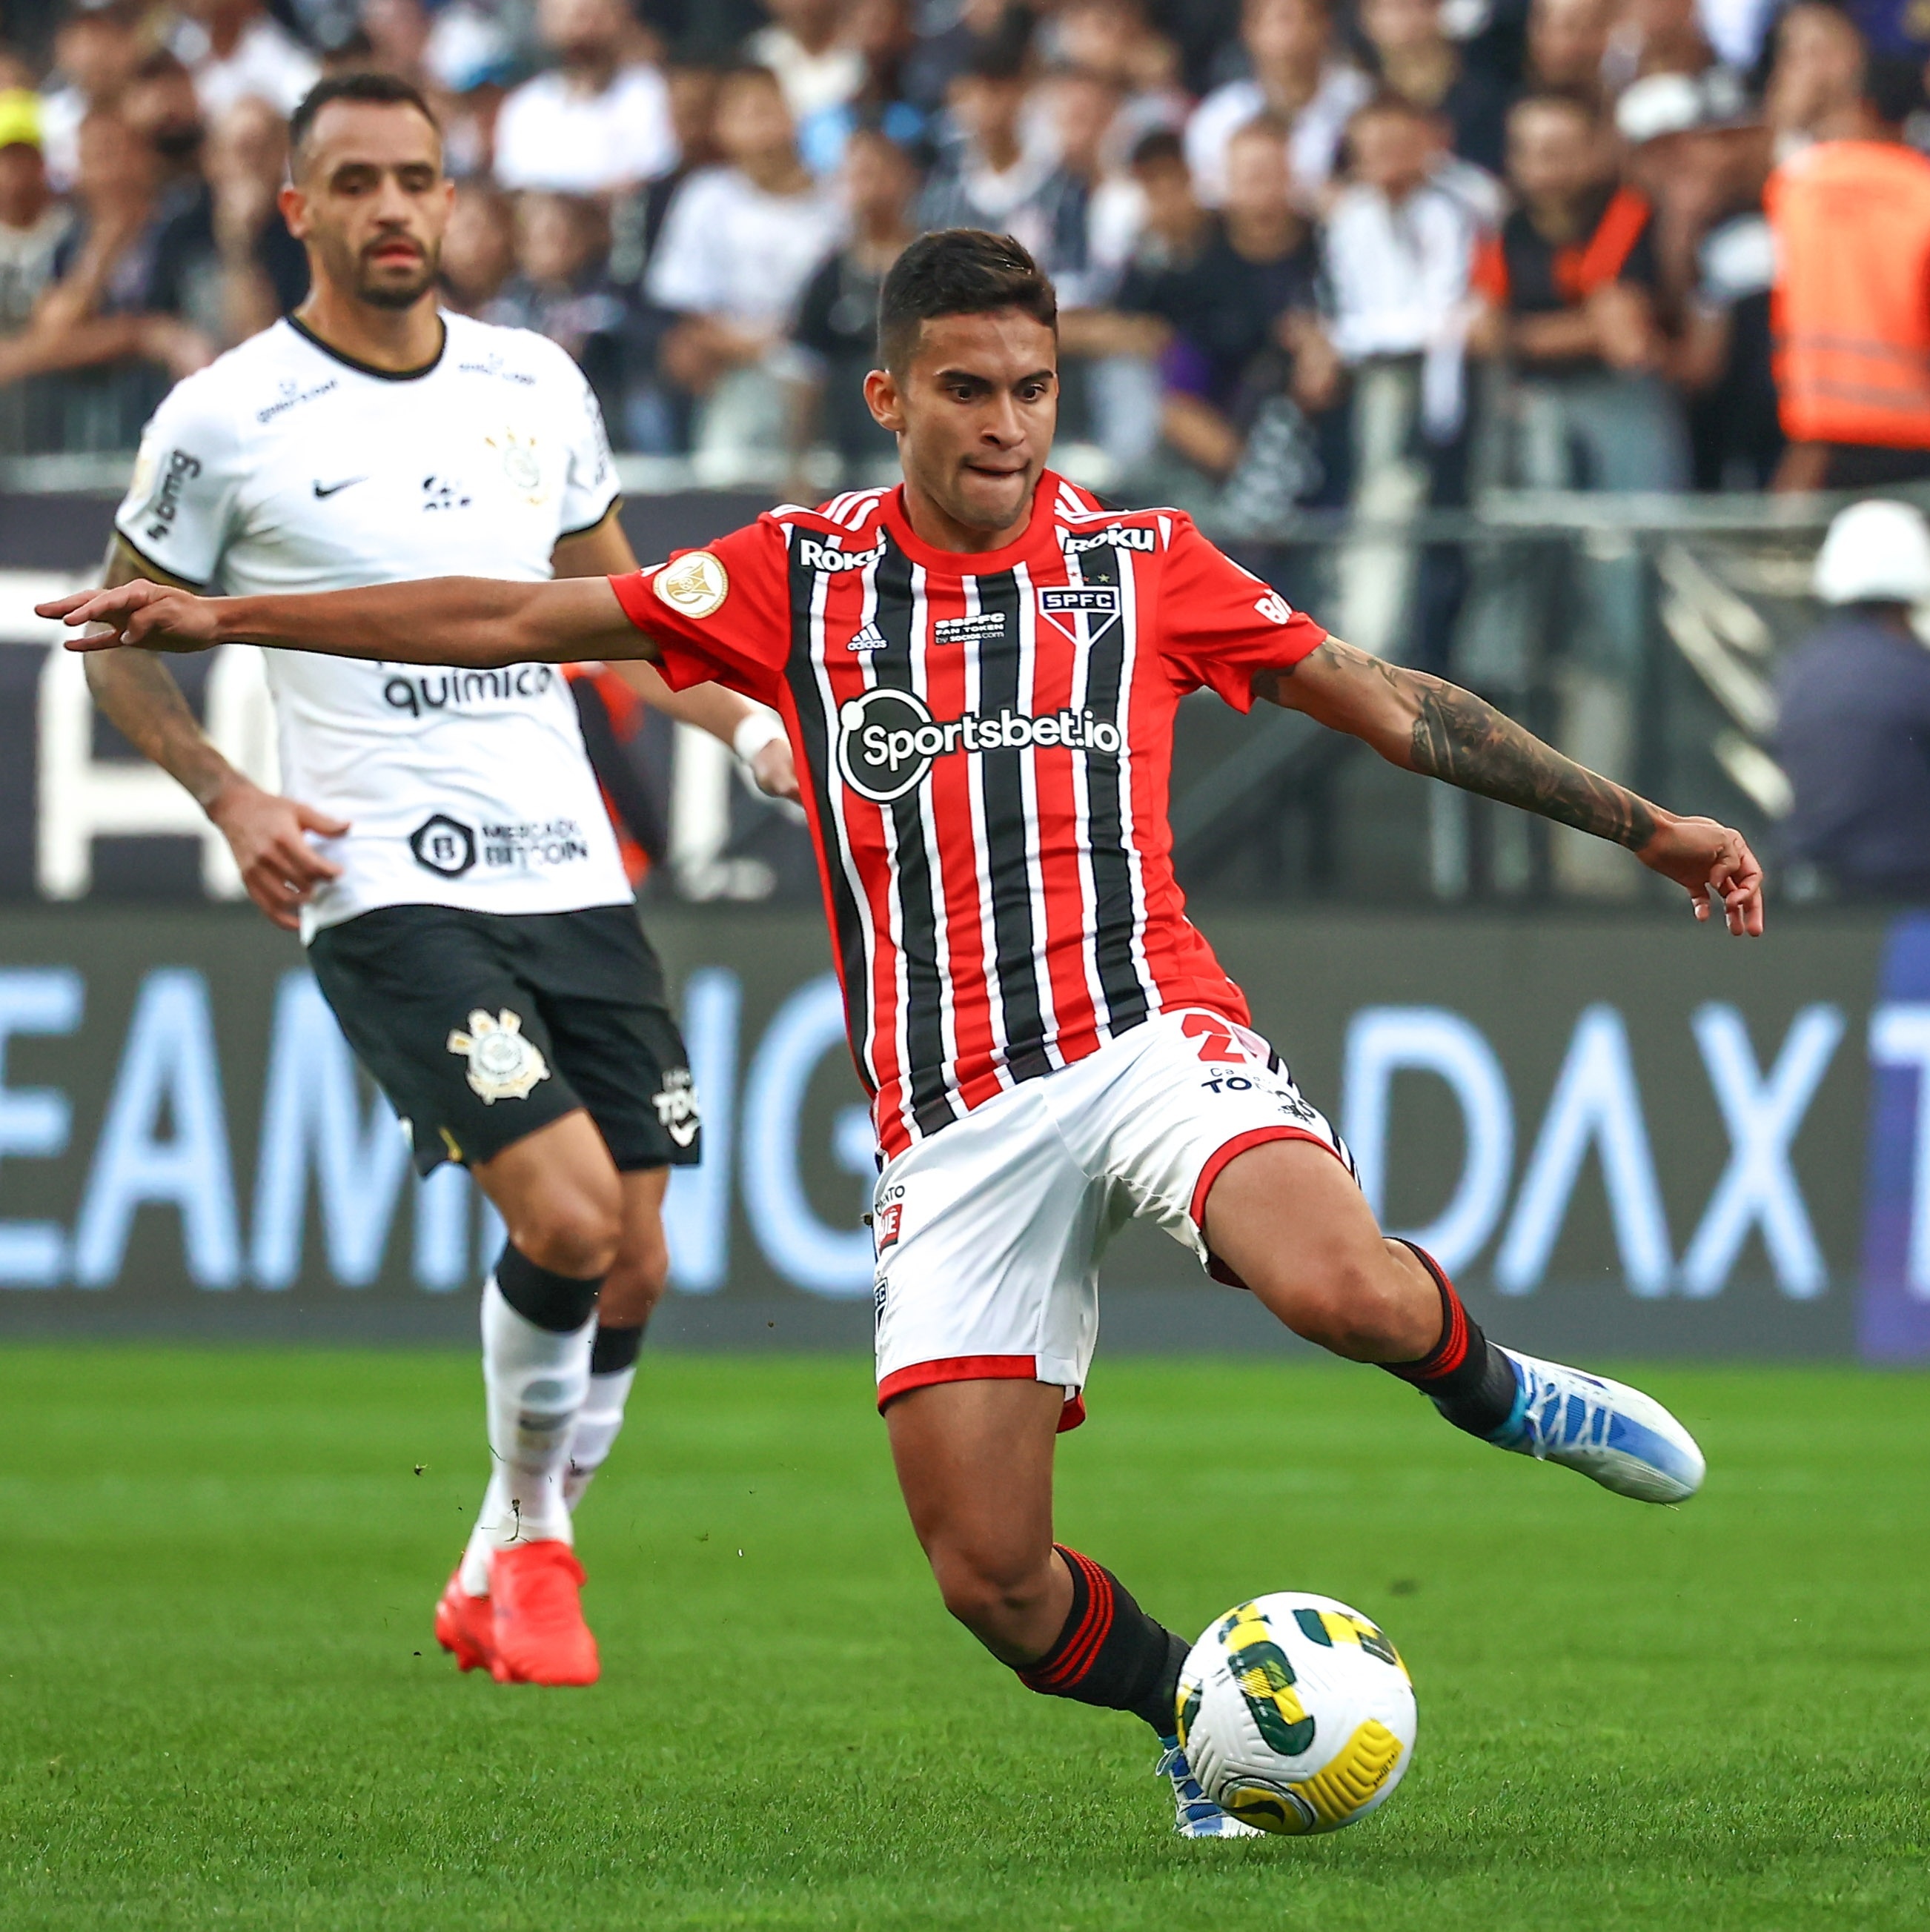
615,1349
557,1302
1466,1376
1109,1652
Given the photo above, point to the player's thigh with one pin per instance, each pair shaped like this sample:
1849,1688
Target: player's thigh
600,989
1292,1224
430,999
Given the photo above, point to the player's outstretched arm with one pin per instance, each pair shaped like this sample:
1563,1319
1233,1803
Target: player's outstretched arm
1425,725
442,620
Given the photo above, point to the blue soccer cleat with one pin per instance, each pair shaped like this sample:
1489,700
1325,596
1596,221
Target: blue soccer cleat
1195,1814
1625,1440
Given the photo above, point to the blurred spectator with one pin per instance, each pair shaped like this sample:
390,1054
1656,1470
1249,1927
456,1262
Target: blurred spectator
836,332
102,312
468,60
1701,153
1296,79
1399,252
264,270
637,219
1818,75
234,49
993,179
600,120
95,53
562,289
808,46
948,44
1853,733
1418,62
1116,39
1851,216
1082,114
1569,288
1240,350
1652,36
32,224
398,32
1568,41
880,33
738,245
1399,248
479,248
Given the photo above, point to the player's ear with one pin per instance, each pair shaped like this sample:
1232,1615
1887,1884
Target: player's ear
887,405
294,206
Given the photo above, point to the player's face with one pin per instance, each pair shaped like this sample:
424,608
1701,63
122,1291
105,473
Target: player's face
371,201
974,413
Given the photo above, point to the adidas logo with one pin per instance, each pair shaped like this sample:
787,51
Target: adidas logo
871,638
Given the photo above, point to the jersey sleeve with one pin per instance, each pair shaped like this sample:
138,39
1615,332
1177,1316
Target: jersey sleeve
179,508
1219,624
589,476
720,615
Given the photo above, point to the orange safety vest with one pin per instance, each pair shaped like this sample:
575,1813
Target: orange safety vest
1851,306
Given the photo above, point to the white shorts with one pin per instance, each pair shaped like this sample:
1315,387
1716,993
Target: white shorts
988,1235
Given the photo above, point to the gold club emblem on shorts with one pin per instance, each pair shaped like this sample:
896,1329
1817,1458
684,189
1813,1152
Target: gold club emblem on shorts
696,585
503,1064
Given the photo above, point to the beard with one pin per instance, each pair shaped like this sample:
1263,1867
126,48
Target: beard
393,292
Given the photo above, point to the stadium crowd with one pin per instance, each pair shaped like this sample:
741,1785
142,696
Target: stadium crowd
1306,254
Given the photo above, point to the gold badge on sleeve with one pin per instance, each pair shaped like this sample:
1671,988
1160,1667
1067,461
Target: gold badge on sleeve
695,585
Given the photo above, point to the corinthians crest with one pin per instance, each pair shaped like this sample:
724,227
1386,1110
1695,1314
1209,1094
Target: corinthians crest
503,1064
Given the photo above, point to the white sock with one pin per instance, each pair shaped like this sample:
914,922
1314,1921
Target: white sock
597,1423
534,1380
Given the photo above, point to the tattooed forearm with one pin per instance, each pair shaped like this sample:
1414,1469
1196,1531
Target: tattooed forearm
1461,738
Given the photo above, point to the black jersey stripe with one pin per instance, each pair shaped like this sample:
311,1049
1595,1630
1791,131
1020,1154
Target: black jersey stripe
817,731
1009,838
898,614
1106,777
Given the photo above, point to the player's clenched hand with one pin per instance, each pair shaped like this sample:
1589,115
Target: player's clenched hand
1710,860
158,617
775,770
269,837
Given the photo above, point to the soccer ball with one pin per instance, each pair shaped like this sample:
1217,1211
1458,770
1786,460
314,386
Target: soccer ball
1295,1714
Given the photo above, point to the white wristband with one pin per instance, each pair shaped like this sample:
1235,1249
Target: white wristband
756,729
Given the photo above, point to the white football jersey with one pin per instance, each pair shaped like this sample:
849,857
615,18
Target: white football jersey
286,466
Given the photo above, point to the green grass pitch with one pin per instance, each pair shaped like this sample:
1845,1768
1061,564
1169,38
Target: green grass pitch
220,1703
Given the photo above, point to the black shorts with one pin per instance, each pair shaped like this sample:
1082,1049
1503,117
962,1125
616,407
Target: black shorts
482,1028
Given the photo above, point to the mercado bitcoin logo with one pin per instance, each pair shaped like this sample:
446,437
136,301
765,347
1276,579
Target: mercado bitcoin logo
887,740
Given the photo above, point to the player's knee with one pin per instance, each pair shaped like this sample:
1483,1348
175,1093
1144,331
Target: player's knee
990,1591
1360,1308
637,1278
576,1230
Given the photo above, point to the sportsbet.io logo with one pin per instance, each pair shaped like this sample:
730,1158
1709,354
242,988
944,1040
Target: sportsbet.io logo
887,740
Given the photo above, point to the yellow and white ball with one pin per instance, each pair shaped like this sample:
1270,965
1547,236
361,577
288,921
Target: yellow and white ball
1295,1714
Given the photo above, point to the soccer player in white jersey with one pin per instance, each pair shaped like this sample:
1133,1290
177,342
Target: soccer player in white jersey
444,850
979,672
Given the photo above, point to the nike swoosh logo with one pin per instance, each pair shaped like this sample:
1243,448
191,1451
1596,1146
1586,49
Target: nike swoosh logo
333,487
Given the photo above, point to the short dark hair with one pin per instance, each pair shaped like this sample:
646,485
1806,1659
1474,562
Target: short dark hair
957,272
375,90
1161,147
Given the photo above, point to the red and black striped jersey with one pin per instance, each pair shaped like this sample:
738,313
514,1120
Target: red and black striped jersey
985,741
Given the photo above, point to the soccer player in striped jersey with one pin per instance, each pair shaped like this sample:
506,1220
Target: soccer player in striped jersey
979,671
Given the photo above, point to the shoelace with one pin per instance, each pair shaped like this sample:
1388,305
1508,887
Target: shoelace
1548,1420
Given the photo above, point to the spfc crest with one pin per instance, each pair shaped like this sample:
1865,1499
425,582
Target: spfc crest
1082,612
